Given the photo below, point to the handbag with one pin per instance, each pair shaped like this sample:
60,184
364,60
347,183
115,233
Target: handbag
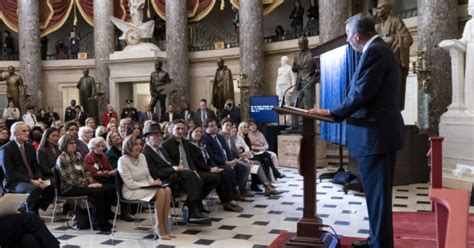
80,219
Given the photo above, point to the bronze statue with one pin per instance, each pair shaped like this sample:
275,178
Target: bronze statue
307,74
223,87
159,79
394,32
16,89
86,86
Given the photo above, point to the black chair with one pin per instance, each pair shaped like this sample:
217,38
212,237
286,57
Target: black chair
58,196
123,201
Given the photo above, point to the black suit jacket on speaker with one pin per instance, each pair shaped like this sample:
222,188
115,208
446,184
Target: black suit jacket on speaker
158,167
14,167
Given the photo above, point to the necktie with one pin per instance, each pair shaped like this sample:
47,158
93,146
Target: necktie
220,146
182,156
171,117
25,161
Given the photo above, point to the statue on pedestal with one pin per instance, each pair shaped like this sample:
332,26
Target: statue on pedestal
16,89
159,81
87,90
394,32
285,79
223,87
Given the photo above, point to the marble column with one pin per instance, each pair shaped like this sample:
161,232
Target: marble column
177,50
104,43
251,45
437,21
30,53
332,15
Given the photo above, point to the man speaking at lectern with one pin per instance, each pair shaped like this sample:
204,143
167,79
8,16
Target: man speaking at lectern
374,124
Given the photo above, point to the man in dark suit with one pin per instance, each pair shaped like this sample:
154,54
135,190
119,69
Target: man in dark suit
203,113
175,169
22,172
147,115
170,114
52,116
220,153
70,113
81,116
186,114
374,124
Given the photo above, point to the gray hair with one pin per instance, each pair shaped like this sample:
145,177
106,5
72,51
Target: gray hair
93,143
16,127
361,23
82,130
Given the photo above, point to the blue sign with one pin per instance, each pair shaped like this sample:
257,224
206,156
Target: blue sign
261,109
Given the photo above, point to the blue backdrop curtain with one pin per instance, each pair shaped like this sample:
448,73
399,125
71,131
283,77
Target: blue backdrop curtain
337,68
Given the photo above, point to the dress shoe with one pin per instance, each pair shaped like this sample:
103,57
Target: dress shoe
232,208
271,191
280,176
196,215
360,244
239,197
255,188
201,222
245,193
127,218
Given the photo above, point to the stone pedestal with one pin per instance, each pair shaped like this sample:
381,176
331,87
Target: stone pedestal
29,47
289,146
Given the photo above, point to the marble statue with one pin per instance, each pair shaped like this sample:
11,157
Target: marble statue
136,30
394,32
462,60
136,10
159,80
16,89
285,79
86,86
223,87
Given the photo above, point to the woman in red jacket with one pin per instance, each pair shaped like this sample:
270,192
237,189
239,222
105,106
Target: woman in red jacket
108,114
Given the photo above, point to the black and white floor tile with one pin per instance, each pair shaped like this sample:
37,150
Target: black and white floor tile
262,220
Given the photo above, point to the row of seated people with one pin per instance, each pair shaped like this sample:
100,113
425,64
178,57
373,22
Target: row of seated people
207,162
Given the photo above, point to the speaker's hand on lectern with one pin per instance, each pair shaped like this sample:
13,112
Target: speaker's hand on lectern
324,112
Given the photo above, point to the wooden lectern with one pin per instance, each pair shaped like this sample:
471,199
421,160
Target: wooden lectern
308,231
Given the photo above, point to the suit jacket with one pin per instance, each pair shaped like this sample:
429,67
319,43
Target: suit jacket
215,151
201,162
371,106
158,167
198,113
171,148
47,161
144,116
14,167
166,116
187,114
82,118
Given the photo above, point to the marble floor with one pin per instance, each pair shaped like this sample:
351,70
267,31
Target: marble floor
262,220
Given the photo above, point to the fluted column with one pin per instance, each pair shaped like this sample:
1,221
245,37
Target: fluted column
251,44
30,53
177,49
332,15
104,43
437,21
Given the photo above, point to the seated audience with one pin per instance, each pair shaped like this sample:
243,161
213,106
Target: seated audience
29,117
259,145
48,152
11,114
170,164
90,122
170,114
114,148
80,115
203,113
219,152
35,136
22,172
4,136
72,128
108,114
75,180
230,111
26,230
101,131
112,127
147,115
242,150
52,116
186,113
43,117
133,169
85,134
